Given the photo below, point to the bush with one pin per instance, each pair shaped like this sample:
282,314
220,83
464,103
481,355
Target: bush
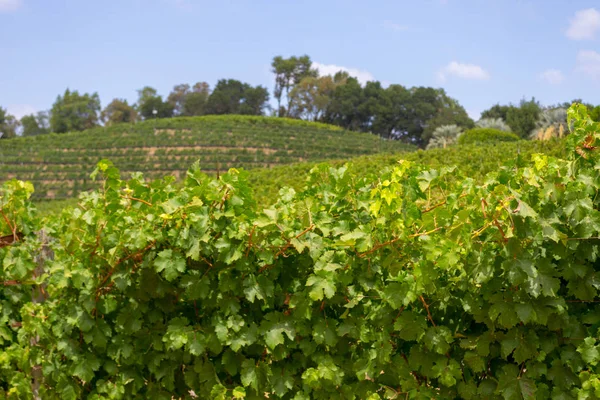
444,136
486,136
493,123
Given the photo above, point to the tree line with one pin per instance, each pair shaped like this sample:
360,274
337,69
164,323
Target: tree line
300,91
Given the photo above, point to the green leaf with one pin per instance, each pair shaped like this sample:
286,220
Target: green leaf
170,263
239,392
411,326
321,287
438,339
249,374
85,368
589,351
195,344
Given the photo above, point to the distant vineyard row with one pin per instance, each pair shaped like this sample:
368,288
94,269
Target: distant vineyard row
60,164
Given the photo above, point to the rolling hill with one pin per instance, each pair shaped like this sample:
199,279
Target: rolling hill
59,165
471,161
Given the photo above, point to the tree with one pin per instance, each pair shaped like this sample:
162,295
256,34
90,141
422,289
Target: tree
177,98
288,73
118,111
311,98
496,111
75,112
163,108
195,102
254,100
392,117
145,93
344,106
149,101
424,110
523,119
410,115
35,124
449,113
8,125
234,97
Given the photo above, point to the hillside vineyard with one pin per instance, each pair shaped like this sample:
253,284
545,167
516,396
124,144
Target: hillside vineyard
60,164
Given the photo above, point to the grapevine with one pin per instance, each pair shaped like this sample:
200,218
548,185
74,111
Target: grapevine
405,284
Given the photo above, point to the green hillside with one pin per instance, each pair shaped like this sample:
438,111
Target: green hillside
471,161
59,165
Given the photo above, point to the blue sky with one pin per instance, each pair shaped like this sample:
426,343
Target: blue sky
481,51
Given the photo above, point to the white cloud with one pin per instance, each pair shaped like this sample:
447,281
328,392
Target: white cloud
392,26
331,69
552,76
588,62
9,5
584,25
464,71
20,110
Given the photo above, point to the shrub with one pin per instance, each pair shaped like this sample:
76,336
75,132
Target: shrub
493,123
486,136
444,136
551,123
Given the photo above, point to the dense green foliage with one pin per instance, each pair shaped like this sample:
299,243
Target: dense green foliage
119,112
8,125
522,119
470,161
410,285
35,124
486,136
59,165
155,107
231,96
289,72
74,112
410,115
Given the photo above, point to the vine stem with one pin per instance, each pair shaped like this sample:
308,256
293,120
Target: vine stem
120,261
10,226
287,246
429,317
136,199
414,235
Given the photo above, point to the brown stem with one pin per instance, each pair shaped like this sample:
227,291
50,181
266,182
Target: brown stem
10,226
136,199
119,262
287,246
429,317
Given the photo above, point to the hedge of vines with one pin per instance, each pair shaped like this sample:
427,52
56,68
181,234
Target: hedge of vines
404,285
482,136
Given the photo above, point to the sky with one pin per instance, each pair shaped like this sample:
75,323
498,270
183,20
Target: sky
482,52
